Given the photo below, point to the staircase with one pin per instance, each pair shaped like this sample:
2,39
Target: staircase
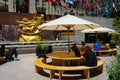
30,47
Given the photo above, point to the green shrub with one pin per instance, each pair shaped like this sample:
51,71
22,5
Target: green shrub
112,41
42,46
100,41
113,69
45,46
39,46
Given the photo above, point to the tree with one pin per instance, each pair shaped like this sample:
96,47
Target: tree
115,36
116,23
113,69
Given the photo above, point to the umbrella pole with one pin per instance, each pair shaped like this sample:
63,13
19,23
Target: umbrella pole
68,40
96,35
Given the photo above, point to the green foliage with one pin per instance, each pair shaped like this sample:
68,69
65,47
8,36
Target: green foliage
114,14
45,46
42,46
39,46
115,36
112,41
113,69
116,22
100,41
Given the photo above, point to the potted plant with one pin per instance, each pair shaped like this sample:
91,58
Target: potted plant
113,69
115,37
112,44
38,49
44,47
100,41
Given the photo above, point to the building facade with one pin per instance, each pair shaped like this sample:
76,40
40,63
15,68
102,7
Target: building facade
86,7
48,8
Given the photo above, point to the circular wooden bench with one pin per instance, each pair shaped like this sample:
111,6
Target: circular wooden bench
40,64
111,51
2,60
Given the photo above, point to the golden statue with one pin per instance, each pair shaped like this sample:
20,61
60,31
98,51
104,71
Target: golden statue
28,28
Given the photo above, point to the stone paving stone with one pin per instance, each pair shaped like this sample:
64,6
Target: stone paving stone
24,69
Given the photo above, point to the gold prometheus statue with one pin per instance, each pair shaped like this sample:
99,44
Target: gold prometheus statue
28,28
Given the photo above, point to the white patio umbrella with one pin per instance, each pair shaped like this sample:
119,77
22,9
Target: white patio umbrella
68,22
88,31
103,29
98,30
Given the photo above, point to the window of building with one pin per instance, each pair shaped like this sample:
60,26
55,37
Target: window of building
40,9
37,3
91,37
43,3
4,6
22,6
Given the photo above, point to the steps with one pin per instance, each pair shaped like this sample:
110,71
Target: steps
29,47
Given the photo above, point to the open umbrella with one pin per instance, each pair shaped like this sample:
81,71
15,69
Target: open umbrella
98,30
88,31
68,22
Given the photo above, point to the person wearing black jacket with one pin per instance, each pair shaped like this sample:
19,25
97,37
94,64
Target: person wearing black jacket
90,57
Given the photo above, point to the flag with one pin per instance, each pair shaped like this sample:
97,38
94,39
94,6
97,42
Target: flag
63,3
113,4
92,7
82,2
106,10
20,2
87,5
53,0
46,0
49,0
69,2
98,6
75,4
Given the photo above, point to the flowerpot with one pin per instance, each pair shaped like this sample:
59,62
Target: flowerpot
39,53
112,45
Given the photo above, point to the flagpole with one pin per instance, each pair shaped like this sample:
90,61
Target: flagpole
48,8
67,8
82,9
77,9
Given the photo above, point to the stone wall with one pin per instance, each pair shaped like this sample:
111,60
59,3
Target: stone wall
11,17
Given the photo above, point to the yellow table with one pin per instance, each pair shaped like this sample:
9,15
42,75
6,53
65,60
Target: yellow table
60,58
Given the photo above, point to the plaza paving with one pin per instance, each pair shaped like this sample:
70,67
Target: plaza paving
24,69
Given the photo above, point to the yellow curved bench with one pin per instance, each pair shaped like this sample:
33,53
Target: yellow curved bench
40,64
2,60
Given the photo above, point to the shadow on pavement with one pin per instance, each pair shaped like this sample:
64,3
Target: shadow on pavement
68,75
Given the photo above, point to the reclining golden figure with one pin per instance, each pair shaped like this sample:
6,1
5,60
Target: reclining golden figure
28,28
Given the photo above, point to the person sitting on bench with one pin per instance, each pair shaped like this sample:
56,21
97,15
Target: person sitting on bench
77,54
76,50
89,56
82,49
